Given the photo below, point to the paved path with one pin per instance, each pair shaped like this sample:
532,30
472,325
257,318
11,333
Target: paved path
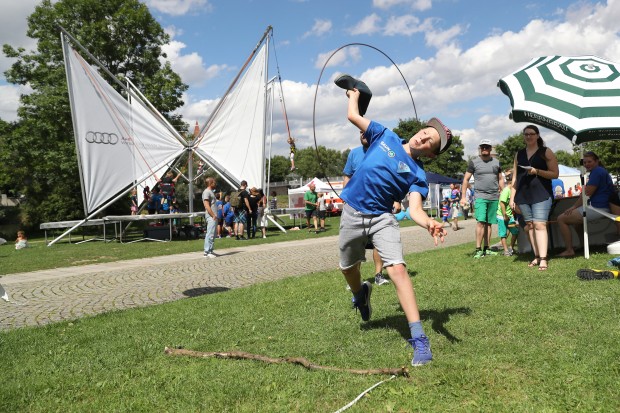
47,296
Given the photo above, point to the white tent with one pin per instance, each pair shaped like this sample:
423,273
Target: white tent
232,142
125,142
296,195
121,142
569,176
109,127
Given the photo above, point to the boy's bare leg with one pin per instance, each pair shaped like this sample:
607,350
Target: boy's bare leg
404,291
353,277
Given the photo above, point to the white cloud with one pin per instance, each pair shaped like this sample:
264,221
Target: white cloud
368,25
343,57
447,83
13,27
190,67
9,103
402,25
438,39
196,110
179,7
320,28
420,5
405,25
173,31
498,128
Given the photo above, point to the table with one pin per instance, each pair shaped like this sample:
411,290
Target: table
69,224
119,219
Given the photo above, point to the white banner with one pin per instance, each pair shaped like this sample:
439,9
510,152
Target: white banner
119,142
234,142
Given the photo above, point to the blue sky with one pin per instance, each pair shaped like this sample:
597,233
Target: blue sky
451,52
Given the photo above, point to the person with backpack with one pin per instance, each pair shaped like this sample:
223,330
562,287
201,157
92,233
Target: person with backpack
166,185
241,207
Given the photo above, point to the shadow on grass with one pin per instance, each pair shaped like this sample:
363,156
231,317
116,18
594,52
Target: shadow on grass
438,320
197,292
225,254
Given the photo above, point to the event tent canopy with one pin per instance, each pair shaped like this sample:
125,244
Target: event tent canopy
434,178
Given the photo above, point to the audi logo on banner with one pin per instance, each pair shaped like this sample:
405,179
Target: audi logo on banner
103,138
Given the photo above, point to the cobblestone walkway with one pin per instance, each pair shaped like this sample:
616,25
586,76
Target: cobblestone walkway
48,296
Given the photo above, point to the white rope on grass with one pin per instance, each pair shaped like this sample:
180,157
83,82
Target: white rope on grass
342,409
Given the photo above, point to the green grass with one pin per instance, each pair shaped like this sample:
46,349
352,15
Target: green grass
505,338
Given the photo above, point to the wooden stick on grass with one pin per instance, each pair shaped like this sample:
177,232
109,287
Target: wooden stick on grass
242,355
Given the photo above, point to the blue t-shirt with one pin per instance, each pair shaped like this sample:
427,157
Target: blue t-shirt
229,214
601,179
386,174
356,156
219,207
155,202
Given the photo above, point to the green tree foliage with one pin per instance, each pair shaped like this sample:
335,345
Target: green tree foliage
6,130
450,163
280,167
608,152
328,162
39,155
507,150
568,159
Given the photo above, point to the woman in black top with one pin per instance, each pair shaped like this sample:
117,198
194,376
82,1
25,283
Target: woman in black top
254,199
531,191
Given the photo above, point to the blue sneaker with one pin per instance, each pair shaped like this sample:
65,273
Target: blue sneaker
363,305
421,350
615,262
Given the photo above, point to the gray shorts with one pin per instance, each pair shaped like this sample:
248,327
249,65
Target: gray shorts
356,229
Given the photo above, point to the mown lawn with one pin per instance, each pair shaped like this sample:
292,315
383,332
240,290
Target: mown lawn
505,338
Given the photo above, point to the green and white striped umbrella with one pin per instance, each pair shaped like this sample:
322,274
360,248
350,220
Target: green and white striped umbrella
578,97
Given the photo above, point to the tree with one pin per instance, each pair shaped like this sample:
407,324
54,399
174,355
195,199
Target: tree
568,159
280,167
507,150
331,162
450,163
609,154
6,130
39,155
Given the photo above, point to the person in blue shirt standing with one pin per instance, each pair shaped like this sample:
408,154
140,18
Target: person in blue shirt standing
390,171
356,155
229,217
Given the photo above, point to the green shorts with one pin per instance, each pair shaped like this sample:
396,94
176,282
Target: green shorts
486,210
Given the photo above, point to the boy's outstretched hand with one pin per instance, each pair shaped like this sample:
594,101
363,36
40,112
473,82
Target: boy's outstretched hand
436,230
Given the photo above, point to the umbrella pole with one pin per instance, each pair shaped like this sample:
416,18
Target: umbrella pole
586,242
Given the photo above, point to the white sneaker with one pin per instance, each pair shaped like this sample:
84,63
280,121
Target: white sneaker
264,236
380,279
210,255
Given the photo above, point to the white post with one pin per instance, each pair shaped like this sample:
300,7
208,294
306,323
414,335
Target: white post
584,204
